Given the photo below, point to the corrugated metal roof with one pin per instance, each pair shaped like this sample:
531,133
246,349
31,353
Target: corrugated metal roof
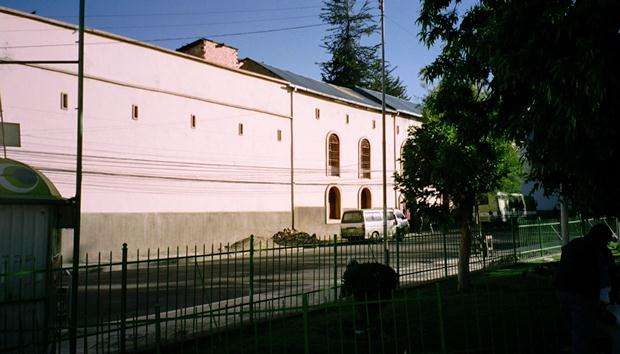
322,87
394,102
358,95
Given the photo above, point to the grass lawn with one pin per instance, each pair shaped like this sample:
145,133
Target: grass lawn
513,309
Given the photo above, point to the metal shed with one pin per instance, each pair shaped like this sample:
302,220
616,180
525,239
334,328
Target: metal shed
31,209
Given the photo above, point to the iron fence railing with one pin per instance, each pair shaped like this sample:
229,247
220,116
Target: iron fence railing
151,297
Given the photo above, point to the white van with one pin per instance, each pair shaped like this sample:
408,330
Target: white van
363,224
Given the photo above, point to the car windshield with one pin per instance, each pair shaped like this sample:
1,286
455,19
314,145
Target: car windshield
399,214
352,216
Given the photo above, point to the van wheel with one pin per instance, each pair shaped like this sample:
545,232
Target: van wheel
375,236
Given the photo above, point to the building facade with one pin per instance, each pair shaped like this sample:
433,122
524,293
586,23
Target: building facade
191,147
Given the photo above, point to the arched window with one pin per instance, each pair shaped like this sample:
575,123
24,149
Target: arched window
333,155
333,203
364,159
365,199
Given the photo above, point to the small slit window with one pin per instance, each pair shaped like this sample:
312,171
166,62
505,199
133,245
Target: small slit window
64,101
240,128
374,124
398,129
317,113
279,135
192,121
346,119
134,112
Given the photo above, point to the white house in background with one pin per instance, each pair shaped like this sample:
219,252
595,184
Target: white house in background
192,147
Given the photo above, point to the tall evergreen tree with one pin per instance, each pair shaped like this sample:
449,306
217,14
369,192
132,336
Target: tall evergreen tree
350,62
353,63
393,85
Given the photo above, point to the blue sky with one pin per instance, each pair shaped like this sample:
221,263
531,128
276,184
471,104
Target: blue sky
296,50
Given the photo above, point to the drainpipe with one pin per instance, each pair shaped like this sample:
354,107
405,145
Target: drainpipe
292,91
395,163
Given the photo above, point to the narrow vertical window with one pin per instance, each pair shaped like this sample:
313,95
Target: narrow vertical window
333,155
374,124
193,121
279,135
240,128
317,113
64,101
347,119
398,129
134,112
364,159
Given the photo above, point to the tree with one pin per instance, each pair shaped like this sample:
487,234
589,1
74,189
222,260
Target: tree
351,62
393,85
349,65
449,161
550,73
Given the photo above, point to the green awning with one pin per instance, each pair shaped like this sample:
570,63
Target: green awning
19,181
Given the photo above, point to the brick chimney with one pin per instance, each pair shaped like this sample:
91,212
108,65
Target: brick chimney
214,52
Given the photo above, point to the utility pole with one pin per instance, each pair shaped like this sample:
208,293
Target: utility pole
78,189
386,252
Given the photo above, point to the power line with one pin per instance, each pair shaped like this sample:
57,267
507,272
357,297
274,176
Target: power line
282,29
193,13
169,25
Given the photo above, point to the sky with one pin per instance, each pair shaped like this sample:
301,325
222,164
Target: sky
171,24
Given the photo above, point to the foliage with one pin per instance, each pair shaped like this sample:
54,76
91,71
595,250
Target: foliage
393,84
352,63
349,25
292,237
369,281
452,159
549,71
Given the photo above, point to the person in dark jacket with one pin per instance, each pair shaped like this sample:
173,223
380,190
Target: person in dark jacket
584,280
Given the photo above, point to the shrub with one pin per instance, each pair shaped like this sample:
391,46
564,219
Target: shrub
370,281
292,237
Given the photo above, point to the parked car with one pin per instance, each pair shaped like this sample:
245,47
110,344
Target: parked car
367,224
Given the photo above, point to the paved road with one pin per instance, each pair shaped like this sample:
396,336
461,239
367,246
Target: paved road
185,282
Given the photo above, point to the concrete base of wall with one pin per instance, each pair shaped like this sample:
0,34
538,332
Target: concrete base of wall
312,221
105,232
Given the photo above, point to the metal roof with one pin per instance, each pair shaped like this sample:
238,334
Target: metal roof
394,102
360,95
321,87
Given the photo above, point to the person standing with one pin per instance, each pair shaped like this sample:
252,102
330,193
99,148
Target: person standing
584,280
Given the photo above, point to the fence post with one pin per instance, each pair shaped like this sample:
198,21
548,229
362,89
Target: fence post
398,236
251,285
540,247
514,228
445,253
440,314
157,329
335,268
306,325
123,299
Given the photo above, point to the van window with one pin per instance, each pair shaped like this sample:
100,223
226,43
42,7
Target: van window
352,216
399,214
390,215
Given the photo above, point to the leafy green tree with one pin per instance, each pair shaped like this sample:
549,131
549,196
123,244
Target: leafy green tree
449,161
353,63
550,71
350,24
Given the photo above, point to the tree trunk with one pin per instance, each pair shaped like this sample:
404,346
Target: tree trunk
464,250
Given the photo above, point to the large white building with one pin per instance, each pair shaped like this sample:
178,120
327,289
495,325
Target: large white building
192,147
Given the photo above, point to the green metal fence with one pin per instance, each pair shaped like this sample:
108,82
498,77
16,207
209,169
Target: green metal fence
152,297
